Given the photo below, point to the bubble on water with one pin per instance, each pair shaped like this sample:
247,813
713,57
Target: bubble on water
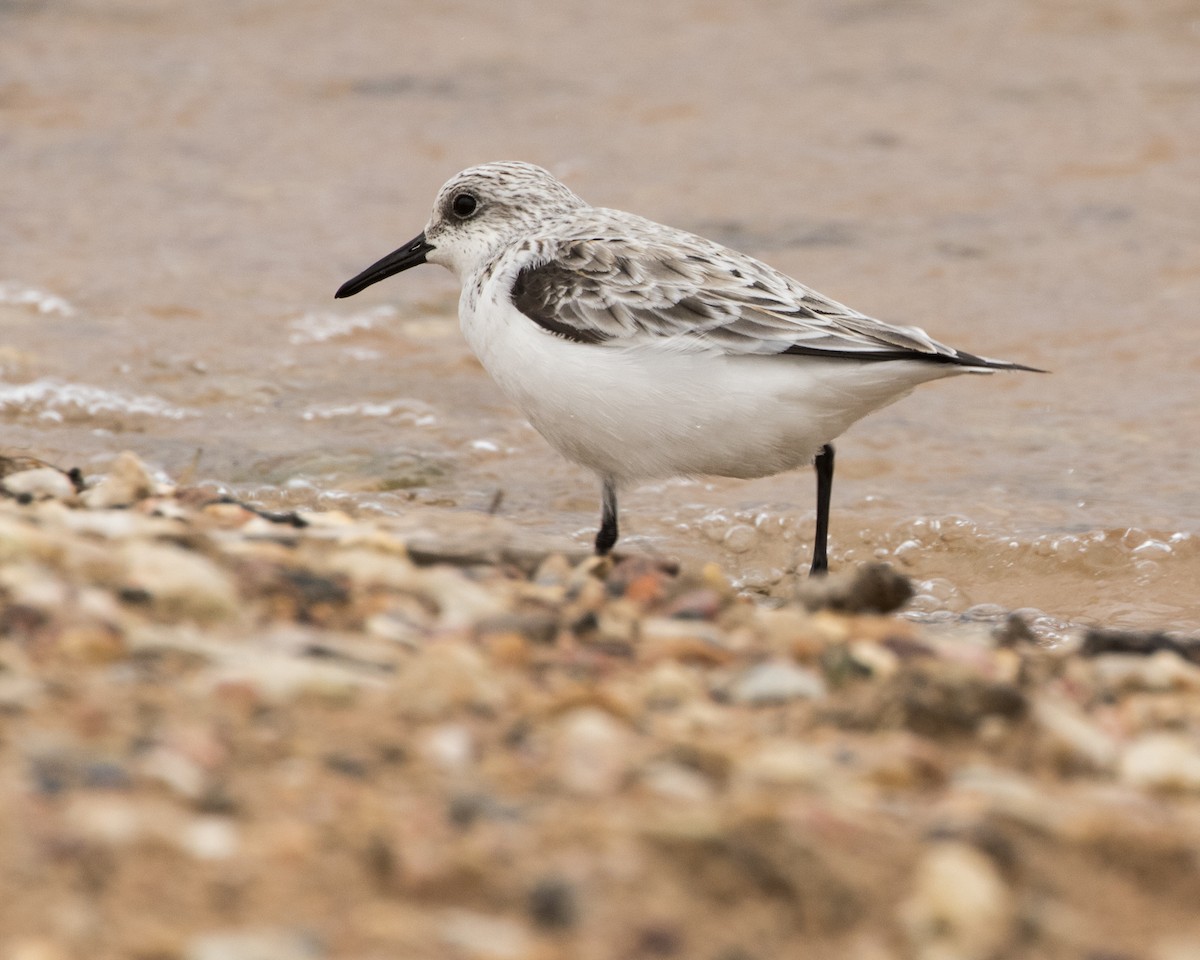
713,525
954,529
1049,630
936,594
922,610
1147,568
986,612
937,587
739,538
758,579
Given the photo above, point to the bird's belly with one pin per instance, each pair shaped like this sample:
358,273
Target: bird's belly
637,413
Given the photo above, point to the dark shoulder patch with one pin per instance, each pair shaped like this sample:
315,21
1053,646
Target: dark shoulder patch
540,293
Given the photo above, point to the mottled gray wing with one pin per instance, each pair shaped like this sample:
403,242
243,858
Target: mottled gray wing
691,294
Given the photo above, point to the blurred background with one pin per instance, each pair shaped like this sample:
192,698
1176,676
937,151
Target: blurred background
186,185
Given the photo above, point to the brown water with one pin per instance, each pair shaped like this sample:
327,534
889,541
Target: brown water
184,186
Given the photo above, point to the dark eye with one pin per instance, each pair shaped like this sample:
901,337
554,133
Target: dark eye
464,205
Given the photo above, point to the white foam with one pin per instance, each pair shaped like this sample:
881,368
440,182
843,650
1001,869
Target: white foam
55,401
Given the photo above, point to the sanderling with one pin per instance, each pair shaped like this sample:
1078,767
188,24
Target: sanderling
641,351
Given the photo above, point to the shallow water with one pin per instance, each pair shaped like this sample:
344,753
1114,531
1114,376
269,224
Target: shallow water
185,188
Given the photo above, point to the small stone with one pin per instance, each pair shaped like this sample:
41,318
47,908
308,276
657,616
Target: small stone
960,908
669,685
180,583
92,643
128,480
1162,761
1098,641
683,640
444,679
1072,739
594,752
43,483
875,659
554,571
1177,948
481,937
35,949
938,699
449,747
110,820
903,761
703,603
786,763
210,838
775,682
18,691
553,904
176,770
255,945
675,782
1159,671
872,588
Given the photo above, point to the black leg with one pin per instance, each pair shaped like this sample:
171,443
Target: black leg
824,467
607,535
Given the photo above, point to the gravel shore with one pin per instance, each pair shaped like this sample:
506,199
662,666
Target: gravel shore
229,734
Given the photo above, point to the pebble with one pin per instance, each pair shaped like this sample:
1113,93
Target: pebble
444,679
210,838
1073,740
18,691
128,480
960,907
180,583
594,752
255,945
35,948
43,483
554,904
675,782
785,763
1159,671
450,747
776,682
871,588
491,767
1177,948
482,937
1162,761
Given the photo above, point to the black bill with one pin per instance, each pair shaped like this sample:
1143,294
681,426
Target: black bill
409,255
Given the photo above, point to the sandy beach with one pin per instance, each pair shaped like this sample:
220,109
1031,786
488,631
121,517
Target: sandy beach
302,652
237,735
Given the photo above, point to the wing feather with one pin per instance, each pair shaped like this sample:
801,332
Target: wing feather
680,291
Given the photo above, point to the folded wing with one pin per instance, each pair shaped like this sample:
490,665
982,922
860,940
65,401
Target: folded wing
682,292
